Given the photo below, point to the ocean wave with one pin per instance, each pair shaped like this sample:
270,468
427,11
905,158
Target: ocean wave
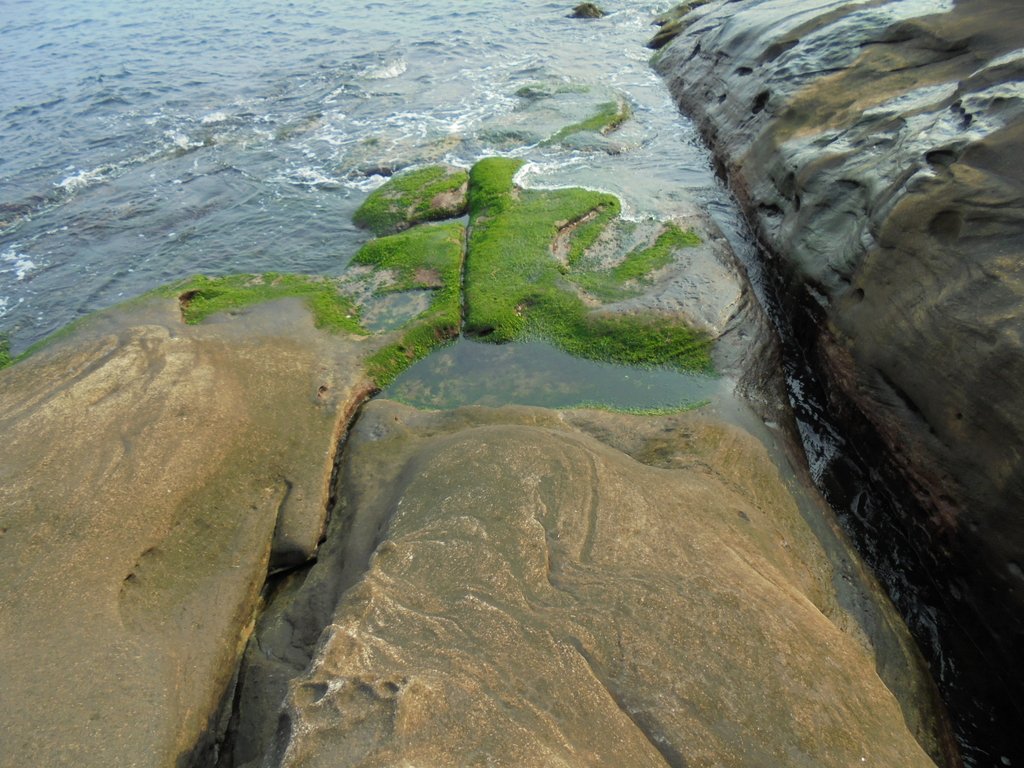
311,177
215,117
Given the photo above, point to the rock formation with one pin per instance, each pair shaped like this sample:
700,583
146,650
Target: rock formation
513,586
150,475
877,148
533,595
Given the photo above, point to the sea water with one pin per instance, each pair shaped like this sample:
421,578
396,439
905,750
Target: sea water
145,142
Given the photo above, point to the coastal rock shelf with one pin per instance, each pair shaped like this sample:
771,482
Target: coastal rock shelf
218,550
168,476
876,147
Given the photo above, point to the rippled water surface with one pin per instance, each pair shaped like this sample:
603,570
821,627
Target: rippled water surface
145,142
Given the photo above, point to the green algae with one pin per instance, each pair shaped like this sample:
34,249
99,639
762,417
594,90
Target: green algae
534,91
5,353
608,117
201,296
427,194
614,284
516,289
510,265
428,257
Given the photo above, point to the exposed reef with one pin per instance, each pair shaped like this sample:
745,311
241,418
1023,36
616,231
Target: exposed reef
201,529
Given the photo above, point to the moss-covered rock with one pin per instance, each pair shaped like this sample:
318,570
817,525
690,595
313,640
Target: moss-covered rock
5,352
607,118
624,278
426,258
201,296
428,194
516,288
555,110
672,23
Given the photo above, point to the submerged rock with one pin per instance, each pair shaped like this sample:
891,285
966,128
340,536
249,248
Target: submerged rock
150,475
587,11
877,148
522,593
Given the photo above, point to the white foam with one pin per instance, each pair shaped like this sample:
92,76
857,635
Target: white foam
311,177
181,141
21,265
77,181
215,117
386,71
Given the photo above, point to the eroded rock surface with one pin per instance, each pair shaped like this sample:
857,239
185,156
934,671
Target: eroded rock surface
150,474
537,597
877,147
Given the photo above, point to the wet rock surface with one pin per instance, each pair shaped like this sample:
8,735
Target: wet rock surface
520,592
150,475
876,146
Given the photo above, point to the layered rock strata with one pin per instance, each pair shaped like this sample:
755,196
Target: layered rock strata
876,146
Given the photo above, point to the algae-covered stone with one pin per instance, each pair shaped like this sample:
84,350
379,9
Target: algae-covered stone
673,22
201,296
516,288
605,119
428,194
587,116
150,474
539,598
427,258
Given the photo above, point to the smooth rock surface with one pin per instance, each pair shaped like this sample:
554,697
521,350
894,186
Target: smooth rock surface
878,148
150,473
536,597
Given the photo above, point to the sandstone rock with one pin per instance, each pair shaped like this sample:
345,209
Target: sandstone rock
877,147
150,474
536,597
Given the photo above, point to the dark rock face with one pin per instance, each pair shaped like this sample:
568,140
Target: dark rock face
877,147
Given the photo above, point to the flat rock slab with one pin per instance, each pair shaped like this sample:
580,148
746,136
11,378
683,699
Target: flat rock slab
538,597
149,474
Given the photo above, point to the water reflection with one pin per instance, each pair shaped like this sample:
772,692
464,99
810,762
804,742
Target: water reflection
536,373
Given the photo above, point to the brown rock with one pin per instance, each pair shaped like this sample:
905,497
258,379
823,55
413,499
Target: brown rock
150,472
540,598
586,11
